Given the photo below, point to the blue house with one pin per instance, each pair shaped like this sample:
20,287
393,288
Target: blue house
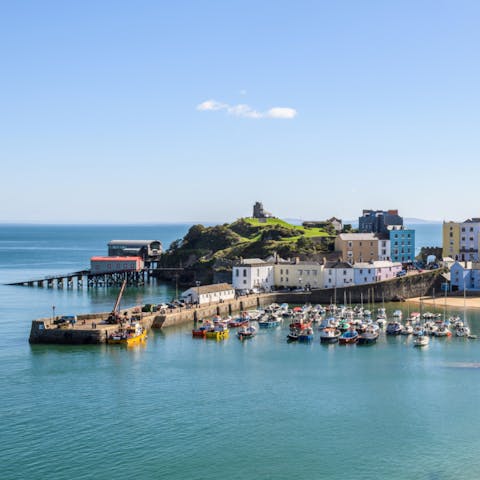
402,245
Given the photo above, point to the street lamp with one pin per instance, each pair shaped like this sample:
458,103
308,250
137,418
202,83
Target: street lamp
53,313
197,283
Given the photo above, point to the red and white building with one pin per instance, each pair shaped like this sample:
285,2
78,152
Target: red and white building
116,264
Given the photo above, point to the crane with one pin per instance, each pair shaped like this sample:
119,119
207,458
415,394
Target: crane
114,317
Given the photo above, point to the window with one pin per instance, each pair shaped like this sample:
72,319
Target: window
258,272
244,272
281,279
281,271
286,271
244,282
329,280
237,272
361,271
344,272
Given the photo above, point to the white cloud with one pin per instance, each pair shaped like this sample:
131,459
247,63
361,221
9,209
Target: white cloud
281,112
211,105
246,111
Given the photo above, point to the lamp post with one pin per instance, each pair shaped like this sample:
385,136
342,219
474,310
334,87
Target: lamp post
197,283
53,313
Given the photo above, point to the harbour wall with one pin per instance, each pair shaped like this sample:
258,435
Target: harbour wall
91,329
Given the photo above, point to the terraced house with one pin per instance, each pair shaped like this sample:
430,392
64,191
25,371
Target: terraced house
461,239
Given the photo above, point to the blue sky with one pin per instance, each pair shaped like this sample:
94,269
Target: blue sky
101,121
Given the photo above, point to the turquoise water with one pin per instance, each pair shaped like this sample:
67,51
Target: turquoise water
186,408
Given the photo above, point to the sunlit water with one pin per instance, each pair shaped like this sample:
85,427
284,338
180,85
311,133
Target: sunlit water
181,408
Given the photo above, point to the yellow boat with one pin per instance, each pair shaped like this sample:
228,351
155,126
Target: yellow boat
130,335
218,333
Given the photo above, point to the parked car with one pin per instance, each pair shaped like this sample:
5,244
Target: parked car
401,273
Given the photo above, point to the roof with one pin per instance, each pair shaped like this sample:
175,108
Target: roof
251,262
218,287
114,259
358,236
377,264
132,243
338,264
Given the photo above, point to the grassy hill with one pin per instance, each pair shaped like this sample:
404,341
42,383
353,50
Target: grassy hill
204,249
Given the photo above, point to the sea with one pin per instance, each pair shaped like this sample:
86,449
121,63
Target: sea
185,408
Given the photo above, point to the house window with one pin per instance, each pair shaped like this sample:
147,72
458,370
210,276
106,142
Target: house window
361,271
244,282
237,272
244,272
286,271
281,271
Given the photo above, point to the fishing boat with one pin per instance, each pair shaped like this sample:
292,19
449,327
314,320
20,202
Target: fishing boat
421,341
130,335
369,336
305,335
350,336
394,328
219,332
407,329
293,335
239,321
247,331
329,335
270,322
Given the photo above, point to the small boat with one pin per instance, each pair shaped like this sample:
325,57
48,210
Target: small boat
407,329
130,335
293,335
240,321
305,335
418,330
219,332
369,336
247,331
270,322
350,336
329,335
462,331
394,328
443,331
421,341
381,322
397,314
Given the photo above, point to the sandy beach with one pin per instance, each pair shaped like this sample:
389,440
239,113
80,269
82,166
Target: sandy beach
454,302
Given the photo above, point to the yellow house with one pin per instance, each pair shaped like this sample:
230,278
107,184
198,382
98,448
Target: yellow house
451,240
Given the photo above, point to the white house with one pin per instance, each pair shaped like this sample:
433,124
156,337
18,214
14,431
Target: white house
465,275
371,272
205,294
253,273
338,274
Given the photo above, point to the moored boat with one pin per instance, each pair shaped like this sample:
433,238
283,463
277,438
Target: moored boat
350,336
369,336
219,332
305,335
329,335
247,331
394,328
270,322
130,335
421,341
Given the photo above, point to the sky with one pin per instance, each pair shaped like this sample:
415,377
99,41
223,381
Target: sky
190,111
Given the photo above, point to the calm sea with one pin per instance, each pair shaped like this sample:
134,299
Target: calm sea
181,408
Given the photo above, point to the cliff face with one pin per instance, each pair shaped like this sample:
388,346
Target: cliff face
206,250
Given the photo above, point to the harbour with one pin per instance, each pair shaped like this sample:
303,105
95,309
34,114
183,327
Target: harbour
316,405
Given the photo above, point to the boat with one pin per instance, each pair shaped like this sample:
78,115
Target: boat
369,336
350,336
407,329
219,332
421,341
329,335
462,331
239,321
270,322
305,335
293,335
442,331
247,331
394,328
129,335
